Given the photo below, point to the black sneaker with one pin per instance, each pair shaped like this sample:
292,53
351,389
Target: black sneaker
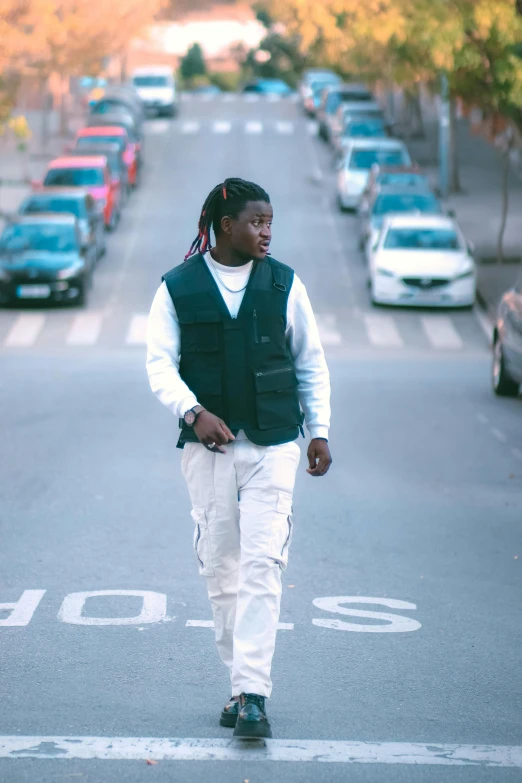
251,720
229,714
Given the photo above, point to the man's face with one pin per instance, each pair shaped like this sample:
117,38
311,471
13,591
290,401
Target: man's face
251,232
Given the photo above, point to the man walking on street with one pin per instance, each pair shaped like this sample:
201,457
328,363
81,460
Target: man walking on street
234,353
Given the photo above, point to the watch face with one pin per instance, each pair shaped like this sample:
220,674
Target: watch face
190,418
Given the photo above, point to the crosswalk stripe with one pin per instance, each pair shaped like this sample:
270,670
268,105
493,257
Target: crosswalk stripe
137,334
85,329
250,97
254,127
328,331
312,127
440,332
206,97
158,127
221,127
229,97
190,127
25,330
270,750
285,127
273,98
382,331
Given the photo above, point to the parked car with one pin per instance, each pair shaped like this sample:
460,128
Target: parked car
122,120
41,257
268,87
156,86
507,344
118,99
90,173
401,176
74,201
354,167
352,111
389,199
422,260
362,127
312,81
112,134
117,168
332,97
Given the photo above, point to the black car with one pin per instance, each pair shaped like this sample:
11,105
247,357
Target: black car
41,257
77,202
117,166
507,344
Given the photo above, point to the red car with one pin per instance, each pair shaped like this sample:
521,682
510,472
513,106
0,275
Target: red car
112,134
90,173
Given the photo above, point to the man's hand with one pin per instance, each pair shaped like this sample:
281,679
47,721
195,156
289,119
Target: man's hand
319,457
211,429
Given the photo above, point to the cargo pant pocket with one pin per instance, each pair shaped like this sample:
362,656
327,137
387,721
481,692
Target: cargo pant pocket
282,529
202,542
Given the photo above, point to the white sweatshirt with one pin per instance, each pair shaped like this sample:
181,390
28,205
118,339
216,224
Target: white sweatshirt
163,348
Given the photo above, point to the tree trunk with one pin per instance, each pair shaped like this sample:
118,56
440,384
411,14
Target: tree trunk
506,165
418,120
454,173
46,106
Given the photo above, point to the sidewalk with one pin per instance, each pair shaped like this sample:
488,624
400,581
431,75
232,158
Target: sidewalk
478,206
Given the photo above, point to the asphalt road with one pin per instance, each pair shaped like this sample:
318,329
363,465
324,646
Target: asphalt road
419,518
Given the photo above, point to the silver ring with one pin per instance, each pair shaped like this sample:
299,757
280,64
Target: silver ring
210,446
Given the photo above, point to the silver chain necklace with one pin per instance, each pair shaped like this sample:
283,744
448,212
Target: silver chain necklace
230,290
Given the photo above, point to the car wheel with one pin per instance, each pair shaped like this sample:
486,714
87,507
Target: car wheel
503,384
81,299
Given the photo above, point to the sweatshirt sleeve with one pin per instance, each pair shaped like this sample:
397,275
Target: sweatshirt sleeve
163,354
307,352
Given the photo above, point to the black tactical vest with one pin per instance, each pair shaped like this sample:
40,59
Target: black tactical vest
240,368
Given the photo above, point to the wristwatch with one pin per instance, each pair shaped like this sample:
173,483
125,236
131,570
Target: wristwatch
191,415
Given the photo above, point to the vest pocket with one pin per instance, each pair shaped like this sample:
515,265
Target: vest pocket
277,403
202,544
282,530
199,331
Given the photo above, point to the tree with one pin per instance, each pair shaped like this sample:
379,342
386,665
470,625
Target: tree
193,63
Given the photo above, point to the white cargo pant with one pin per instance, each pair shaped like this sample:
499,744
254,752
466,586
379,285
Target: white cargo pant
242,510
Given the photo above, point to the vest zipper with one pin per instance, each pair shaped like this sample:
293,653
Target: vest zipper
271,372
256,333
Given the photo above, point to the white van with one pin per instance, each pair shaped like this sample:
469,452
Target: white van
156,86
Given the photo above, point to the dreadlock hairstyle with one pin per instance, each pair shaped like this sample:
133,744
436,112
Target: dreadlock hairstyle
229,198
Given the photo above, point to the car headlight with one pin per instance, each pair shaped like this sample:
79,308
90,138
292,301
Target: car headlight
70,271
384,272
465,275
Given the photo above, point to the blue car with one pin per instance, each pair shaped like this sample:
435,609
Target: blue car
268,87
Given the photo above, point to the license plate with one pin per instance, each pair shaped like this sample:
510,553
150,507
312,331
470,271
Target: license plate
33,291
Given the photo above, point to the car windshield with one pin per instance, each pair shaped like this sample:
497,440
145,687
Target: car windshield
406,202
364,159
422,239
87,141
74,177
48,237
366,129
74,206
150,81
403,178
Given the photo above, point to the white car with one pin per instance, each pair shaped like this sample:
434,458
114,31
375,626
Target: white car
422,260
353,168
156,86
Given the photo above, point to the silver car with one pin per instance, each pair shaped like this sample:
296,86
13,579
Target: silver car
353,168
507,344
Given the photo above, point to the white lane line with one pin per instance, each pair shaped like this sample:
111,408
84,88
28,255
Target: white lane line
207,97
229,97
210,624
312,127
250,97
273,98
25,330
198,749
382,331
222,127
254,127
328,331
190,127
484,322
85,329
516,453
157,128
483,419
499,435
440,332
137,334
285,127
